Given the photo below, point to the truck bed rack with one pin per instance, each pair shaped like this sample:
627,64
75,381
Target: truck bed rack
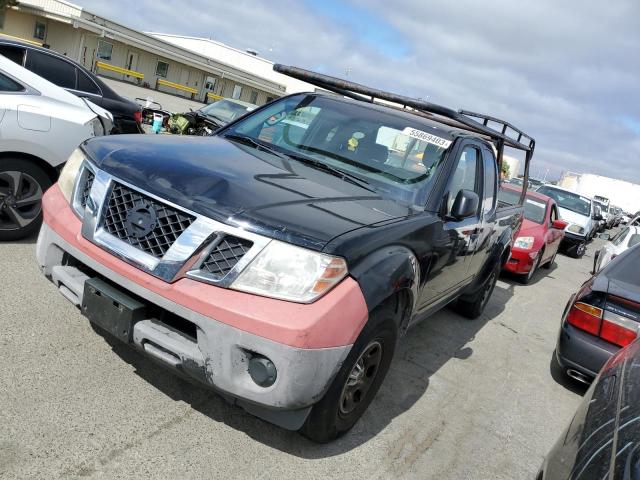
499,131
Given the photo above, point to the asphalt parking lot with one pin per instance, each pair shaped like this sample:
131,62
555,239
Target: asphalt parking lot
464,399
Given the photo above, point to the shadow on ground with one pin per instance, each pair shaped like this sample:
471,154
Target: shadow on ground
422,352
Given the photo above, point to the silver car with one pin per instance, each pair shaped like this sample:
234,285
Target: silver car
40,126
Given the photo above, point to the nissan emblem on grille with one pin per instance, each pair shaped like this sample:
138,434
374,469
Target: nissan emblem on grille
141,220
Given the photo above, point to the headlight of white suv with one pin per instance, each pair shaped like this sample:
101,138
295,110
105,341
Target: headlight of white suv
524,242
291,273
69,173
576,229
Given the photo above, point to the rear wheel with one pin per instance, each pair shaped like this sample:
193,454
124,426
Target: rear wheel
22,185
473,307
357,382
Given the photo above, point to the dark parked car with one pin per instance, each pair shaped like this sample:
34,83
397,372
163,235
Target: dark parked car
71,76
603,438
280,260
601,318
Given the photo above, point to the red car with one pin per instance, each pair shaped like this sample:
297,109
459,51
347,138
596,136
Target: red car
540,235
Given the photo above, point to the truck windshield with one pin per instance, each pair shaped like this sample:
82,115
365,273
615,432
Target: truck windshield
570,201
395,154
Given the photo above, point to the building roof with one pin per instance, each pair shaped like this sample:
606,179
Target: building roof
240,59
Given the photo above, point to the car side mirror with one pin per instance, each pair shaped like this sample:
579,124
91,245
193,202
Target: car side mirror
559,224
465,205
605,236
597,216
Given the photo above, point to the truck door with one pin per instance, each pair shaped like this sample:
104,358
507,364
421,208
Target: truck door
484,228
453,246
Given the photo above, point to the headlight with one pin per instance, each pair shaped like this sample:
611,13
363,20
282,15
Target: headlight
98,129
291,273
69,173
524,242
576,229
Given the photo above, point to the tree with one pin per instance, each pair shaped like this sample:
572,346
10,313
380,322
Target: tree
505,170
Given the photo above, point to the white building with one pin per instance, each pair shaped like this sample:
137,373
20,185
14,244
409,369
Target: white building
199,69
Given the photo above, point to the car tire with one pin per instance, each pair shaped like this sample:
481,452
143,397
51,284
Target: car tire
578,251
22,184
357,381
526,279
473,307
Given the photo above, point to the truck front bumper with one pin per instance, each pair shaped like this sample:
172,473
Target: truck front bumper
231,327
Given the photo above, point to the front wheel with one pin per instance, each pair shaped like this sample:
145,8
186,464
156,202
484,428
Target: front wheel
22,185
526,279
579,250
357,382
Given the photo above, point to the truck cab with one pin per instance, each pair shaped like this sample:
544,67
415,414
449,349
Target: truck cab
280,261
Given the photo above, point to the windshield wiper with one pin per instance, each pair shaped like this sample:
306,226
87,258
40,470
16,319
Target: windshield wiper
255,144
337,172
346,176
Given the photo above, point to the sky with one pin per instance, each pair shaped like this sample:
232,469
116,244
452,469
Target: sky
565,72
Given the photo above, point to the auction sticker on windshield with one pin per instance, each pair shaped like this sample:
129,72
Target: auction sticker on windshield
427,137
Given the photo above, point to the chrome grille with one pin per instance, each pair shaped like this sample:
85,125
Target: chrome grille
86,188
225,255
169,222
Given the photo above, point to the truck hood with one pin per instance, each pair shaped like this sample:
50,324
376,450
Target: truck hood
574,217
241,186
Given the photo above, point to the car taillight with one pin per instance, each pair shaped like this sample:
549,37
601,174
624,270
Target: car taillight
585,317
603,323
138,116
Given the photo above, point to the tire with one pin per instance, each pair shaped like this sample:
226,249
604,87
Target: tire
526,279
338,411
22,185
550,263
579,250
473,307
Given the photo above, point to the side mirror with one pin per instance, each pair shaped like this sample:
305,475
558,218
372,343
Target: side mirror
605,236
465,205
597,216
559,224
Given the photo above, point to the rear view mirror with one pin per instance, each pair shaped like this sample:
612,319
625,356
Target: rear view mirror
465,205
605,236
559,224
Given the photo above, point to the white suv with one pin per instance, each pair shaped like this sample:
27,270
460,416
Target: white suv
40,126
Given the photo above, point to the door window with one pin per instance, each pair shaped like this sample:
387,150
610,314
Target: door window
465,176
39,31
57,71
15,54
9,85
554,213
490,169
237,91
85,84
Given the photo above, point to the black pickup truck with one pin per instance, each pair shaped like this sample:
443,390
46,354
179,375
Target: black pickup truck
281,260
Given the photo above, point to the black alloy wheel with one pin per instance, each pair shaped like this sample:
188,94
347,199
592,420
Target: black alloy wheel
22,185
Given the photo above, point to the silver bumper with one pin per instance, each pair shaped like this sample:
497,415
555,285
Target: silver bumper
219,357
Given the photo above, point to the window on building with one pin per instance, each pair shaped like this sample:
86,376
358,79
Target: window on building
237,91
254,97
105,50
162,69
40,30
9,85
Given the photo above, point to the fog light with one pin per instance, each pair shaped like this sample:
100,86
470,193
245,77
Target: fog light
262,371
